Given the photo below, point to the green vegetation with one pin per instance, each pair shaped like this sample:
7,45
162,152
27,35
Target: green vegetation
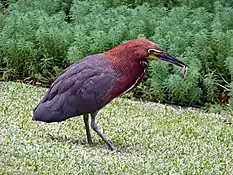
39,38
155,139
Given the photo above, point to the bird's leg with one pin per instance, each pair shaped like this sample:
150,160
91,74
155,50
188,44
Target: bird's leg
96,129
86,122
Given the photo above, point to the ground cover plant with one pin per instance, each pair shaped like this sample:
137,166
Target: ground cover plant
155,139
39,38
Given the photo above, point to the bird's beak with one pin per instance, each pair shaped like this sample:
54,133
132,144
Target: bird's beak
164,56
168,58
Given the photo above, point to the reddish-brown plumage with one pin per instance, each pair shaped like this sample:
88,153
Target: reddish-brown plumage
129,61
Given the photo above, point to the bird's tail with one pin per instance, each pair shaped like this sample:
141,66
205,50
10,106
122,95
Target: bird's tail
44,112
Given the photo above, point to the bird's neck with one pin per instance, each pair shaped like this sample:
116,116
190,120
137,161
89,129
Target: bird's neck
125,62
119,56
129,73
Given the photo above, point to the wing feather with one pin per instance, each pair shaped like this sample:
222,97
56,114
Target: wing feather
79,89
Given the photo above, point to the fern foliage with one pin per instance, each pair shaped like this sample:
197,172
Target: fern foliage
39,38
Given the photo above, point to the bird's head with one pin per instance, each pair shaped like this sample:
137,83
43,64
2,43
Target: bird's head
143,49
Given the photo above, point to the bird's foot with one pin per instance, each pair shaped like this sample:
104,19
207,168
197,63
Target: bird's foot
90,141
113,148
118,150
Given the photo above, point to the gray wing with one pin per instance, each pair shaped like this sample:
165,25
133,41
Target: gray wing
79,89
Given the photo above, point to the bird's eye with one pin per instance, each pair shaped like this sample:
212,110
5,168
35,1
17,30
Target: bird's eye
150,51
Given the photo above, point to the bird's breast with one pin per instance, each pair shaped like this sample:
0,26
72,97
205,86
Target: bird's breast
128,77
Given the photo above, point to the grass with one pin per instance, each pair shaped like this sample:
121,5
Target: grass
155,139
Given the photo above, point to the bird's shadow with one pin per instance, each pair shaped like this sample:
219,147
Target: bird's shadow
64,138
82,141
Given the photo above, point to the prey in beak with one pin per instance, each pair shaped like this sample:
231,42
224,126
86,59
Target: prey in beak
156,54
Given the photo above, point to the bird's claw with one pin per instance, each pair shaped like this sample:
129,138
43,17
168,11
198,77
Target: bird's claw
118,150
